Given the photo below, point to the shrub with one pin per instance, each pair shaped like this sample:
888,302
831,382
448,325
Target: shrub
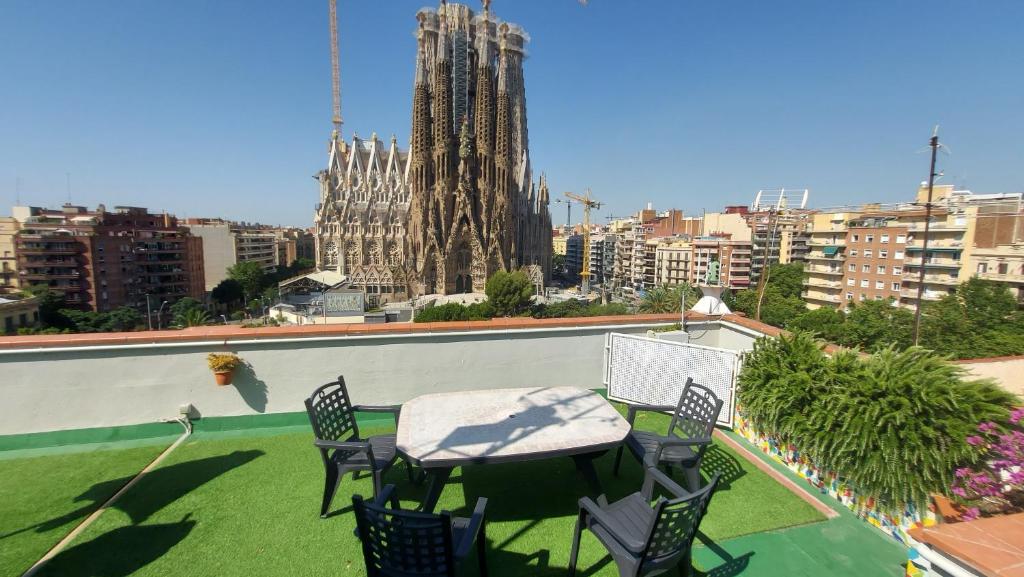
996,485
442,313
894,425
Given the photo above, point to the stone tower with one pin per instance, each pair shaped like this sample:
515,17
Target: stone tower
474,208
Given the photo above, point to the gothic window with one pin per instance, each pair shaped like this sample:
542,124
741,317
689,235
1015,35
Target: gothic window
351,257
331,254
376,253
375,227
394,255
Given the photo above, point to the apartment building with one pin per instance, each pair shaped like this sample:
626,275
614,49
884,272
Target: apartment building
602,258
778,236
226,244
672,262
825,261
101,260
9,281
998,251
574,255
875,259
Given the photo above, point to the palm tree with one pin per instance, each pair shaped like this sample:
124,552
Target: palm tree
668,299
194,317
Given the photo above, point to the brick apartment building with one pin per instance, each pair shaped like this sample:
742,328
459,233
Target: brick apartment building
101,260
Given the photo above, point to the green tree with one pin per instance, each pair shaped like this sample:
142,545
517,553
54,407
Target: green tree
249,275
121,319
874,325
776,309
182,306
509,292
788,278
302,264
980,319
50,305
658,300
227,292
824,323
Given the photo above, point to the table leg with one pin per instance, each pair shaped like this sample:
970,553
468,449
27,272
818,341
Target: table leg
438,478
585,465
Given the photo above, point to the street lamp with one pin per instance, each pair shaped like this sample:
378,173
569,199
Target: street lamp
159,314
149,313
225,319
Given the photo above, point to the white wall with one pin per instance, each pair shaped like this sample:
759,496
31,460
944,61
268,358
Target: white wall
80,387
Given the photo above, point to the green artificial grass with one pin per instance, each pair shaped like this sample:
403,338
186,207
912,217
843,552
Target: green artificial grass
42,498
244,506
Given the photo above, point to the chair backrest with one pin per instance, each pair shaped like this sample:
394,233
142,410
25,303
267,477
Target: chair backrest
399,543
675,525
696,413
330,412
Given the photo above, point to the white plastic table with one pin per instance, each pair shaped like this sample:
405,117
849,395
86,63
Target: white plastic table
439,432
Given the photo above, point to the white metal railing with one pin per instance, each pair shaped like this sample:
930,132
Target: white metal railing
642,370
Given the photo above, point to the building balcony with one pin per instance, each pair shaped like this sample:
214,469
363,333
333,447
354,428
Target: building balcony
817,283
820,256
831,271
1014,278
911,294
937,227
916,262
932,279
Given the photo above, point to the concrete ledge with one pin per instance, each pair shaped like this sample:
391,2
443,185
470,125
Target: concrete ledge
229,333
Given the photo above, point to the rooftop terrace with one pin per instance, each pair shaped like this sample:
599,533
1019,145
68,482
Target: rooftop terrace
241,494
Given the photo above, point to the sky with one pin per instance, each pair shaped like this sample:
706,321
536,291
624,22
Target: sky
223,108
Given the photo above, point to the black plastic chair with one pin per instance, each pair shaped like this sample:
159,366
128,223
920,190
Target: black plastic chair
689,433
645,539
333,417
399,543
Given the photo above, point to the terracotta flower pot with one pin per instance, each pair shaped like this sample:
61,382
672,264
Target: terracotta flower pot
224,378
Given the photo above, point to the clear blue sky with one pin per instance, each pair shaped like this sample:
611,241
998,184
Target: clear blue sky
223,108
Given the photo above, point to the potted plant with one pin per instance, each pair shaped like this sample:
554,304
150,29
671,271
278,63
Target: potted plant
223,366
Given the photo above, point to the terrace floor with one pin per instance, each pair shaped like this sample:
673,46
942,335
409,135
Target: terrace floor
245,503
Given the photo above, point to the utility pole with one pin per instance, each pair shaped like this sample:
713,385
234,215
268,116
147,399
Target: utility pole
149,313
933,143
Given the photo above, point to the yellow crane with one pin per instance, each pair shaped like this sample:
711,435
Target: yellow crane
588,203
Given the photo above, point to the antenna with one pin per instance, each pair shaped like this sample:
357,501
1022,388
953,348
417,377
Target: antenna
68,176
335,69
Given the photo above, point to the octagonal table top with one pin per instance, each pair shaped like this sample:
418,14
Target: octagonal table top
505,425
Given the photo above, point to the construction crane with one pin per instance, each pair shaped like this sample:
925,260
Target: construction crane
335,68
588,203
568,216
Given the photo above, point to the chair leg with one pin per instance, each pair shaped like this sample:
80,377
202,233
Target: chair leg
692,474
618,459
376,483
481,549
574,553
330,486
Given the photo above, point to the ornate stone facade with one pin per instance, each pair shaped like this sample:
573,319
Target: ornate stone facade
361,218
461,204
475,209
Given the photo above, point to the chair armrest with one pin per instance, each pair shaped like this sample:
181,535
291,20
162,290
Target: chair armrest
476,522
378,408
653,476
617,530
354,446
632,410
663,444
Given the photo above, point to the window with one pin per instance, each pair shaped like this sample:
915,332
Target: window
982,267
852,267
901,238
897,270
863,296
896,287
880,285
880,269
851,282
884,239
883,254
869,238
878,297
853,252
898,255
1002,268
867,253
856,237
849,296
865,268
864,283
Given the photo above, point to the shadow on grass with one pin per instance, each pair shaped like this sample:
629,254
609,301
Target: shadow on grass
120,552
156,490
731,565
718,460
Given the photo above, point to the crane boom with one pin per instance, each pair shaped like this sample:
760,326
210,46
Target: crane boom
588,203
335,68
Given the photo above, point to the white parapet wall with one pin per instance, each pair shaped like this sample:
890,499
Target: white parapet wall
76,387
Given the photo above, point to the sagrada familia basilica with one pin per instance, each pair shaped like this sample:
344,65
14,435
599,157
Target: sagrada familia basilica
461,203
